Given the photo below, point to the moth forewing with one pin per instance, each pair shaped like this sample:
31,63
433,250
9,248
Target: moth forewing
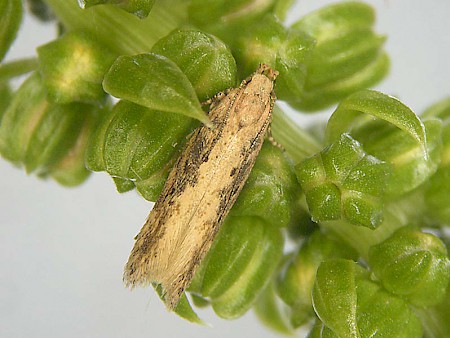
201,188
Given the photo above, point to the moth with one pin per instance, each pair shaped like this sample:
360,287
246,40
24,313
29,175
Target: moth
202,187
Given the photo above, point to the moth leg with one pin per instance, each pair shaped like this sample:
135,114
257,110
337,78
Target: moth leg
270,138
213,101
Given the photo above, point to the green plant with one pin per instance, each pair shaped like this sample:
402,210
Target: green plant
366,207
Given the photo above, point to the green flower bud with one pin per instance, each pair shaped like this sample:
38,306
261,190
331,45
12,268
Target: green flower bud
334,296
239,265
270,190
285,50
396,136
343,182
220,16
46,138
206,61
348,55
140,8
412,264
351,305
6,95
381,314
295,283
10,19
71,170
137,144
73,68
155,82
282,7
437,192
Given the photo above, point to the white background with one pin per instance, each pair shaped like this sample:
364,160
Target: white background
62,250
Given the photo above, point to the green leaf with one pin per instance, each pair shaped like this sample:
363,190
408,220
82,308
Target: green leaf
183,308
414,265
334,296
73,68
391,132
155,82
140,8
206,61
366,104
10,19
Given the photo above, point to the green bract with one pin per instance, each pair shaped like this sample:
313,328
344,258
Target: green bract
140,8
137,146
155,82
10,18
348,55
239,266
46,138
412,264
342,181
73,68
206,61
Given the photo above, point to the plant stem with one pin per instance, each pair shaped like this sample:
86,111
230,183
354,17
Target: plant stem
298,143
17,68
